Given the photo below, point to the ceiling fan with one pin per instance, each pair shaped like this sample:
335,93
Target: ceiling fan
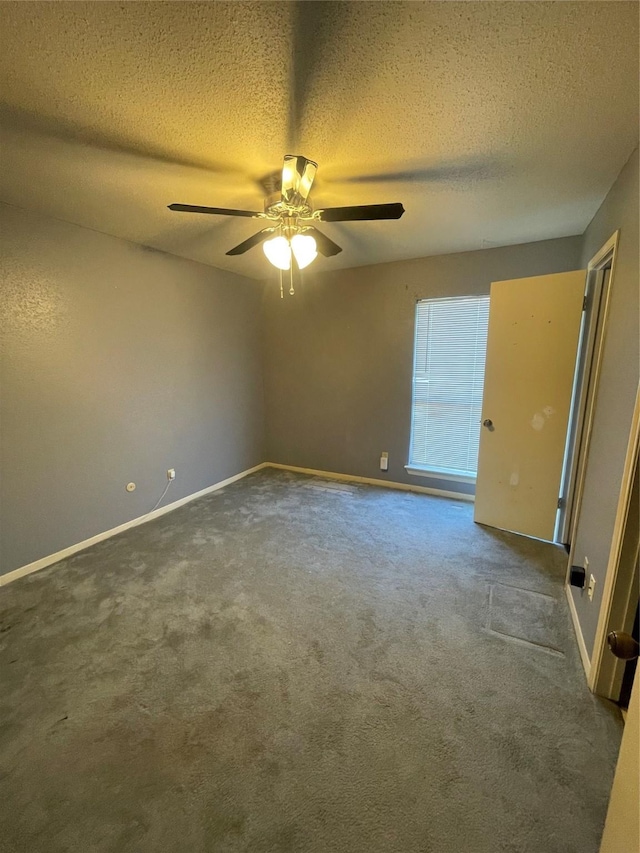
291,237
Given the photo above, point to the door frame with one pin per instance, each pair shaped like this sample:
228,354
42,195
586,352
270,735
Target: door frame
606,671
621,825
588,368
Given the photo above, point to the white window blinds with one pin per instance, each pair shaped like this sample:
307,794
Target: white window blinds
448,374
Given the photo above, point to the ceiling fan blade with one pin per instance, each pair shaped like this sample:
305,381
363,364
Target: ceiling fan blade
258,238
325,246
297,177
361,212
223,211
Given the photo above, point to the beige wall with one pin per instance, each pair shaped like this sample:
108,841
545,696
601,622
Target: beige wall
339,354
118,362
617,389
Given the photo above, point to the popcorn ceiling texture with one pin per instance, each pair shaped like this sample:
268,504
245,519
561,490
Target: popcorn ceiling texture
507,122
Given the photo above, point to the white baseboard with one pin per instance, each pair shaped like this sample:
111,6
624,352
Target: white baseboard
388,484
99,537
584,654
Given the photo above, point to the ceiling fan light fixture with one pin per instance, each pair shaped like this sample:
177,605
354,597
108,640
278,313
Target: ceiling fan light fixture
278,252
304,248
290,214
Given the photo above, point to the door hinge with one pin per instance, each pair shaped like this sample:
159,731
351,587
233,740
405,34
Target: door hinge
585,303
561,503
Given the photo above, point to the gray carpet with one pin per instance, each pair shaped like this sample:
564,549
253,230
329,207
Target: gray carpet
289,666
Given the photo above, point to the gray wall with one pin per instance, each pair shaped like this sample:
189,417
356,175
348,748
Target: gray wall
118,362
617,389
339,354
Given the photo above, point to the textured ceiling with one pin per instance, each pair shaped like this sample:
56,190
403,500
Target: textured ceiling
494,123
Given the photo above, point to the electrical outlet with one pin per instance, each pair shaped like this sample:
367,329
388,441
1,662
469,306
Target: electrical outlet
591,587
384,461
171,473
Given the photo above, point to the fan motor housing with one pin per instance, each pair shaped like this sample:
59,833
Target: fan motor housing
272,201
275,208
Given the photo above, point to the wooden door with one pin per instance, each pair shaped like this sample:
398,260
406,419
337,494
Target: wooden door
534,325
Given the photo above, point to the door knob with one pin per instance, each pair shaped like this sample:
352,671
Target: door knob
488,423
623,645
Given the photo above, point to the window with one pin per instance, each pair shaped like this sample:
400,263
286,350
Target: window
448,373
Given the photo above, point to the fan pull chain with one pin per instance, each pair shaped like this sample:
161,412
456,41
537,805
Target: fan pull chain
281,290
291,290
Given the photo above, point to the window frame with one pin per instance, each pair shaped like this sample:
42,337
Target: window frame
415,469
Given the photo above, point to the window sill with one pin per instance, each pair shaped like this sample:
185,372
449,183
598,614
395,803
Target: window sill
433,474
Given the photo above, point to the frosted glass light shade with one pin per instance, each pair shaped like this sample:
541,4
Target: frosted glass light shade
304,248
278,251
